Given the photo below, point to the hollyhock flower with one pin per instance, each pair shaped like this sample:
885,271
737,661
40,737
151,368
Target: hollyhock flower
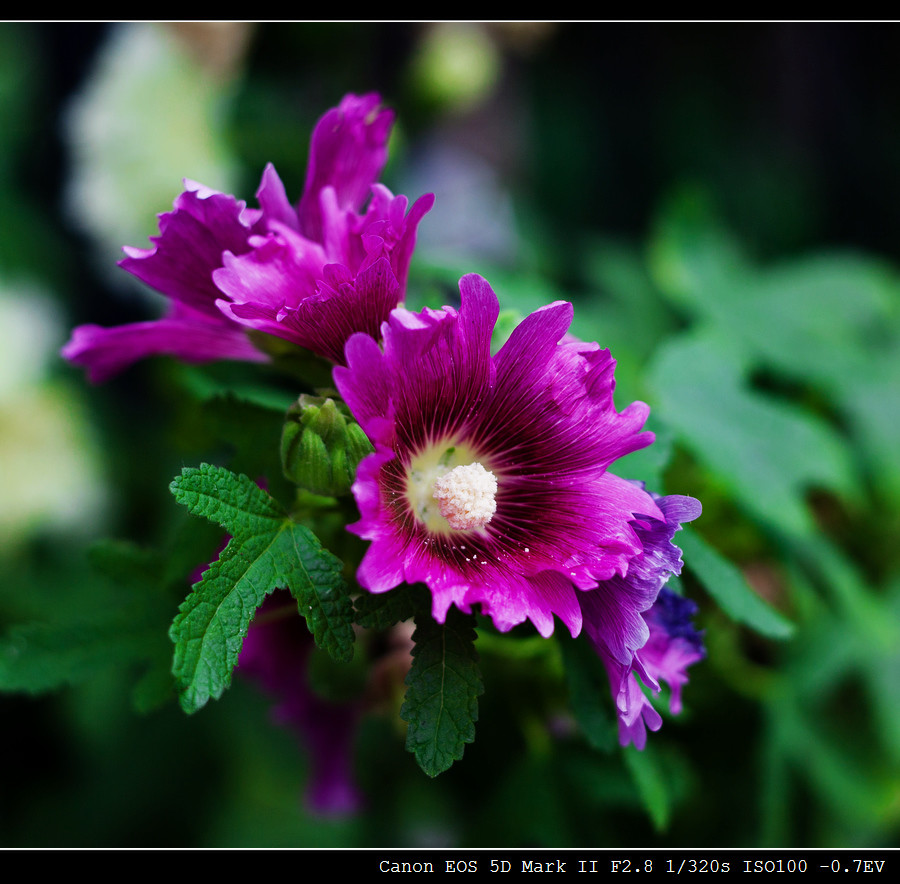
274,655
674,643
312,274
489,481
663,643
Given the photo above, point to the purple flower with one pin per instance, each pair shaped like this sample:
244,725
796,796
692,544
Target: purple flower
489,481
663,642
312,274
274,655
674,643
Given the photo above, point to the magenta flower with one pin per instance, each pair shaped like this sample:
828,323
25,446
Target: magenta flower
313,274
489,481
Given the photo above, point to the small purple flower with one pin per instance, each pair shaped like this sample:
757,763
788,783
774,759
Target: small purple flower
664,642
489,481
674,643
312,274
665,657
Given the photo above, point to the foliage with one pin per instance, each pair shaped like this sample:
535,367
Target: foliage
771,362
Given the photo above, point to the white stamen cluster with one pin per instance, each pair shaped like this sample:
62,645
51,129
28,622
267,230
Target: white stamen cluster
466,496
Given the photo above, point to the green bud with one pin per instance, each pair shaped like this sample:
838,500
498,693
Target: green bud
321,445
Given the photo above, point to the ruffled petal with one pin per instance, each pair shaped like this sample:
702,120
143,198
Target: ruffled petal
348,152
318,314
390,232
640,628
636,714
267,269
674,644
453,368
612,612
190,244
274,202
366,385
562,527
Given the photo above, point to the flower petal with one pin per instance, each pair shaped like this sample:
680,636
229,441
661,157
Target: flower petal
318,314
190,244
274,202
561,524
638,627
104,352
348,152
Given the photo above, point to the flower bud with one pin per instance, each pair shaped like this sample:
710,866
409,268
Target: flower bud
321,445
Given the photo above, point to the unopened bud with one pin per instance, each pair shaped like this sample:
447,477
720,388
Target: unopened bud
321,446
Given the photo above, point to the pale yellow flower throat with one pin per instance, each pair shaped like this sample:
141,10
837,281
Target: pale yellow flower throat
450,490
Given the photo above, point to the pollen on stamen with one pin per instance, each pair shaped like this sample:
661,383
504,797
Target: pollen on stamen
466,496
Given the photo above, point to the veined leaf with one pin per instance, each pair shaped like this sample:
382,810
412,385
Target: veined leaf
382,610
267,551
443,684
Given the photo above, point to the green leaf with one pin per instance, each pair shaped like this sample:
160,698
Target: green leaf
443,684
827,320
768,452
589,692
251,428
725,583
267,551
383,609
651,783
39,657
110,627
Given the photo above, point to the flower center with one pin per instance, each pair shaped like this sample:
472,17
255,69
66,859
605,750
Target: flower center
466,496
449,489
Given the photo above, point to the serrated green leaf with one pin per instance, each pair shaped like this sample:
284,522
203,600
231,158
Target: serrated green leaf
267,551
383,609
442,686
725,583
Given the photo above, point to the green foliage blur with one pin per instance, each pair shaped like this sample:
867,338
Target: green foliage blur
720,203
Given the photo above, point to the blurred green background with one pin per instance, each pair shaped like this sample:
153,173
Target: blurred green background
720,202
